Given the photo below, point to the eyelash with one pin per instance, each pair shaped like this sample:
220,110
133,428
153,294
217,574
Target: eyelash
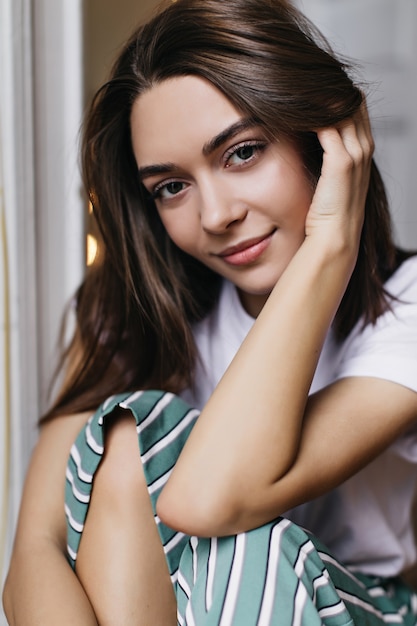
258,146
159,188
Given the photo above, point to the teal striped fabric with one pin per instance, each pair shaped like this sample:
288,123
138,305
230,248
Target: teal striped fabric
275,575
279,575
163,423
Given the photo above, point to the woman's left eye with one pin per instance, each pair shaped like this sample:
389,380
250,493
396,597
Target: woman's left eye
244,153
167,190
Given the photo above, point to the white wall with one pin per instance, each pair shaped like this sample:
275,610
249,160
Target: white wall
58,105
18,364
42,239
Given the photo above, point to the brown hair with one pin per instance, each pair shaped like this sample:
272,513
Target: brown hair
136,305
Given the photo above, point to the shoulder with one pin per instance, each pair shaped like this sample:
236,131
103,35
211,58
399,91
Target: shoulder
388,348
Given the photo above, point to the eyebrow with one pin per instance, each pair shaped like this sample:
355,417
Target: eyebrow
228,133
209,147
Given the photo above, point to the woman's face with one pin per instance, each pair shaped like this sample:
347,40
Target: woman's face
226,194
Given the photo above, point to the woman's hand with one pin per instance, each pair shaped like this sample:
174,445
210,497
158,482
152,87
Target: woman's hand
338,206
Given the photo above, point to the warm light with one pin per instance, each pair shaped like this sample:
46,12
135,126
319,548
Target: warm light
92,246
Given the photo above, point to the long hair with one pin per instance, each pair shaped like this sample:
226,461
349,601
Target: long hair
137,304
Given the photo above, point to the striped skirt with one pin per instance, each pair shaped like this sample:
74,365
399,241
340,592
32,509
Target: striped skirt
277,574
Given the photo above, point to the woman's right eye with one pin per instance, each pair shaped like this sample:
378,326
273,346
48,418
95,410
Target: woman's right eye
168,190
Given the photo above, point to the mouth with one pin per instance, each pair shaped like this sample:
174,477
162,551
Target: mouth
247,251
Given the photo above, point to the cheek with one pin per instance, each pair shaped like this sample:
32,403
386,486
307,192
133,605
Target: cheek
299,198
180,229
284,189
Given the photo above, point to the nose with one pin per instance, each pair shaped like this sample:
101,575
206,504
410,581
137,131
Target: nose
220,207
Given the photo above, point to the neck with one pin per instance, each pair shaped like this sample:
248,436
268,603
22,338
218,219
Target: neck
252,303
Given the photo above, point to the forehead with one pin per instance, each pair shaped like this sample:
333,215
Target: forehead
185,111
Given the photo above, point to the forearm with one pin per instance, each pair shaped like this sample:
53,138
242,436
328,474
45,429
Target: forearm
248,435
41,590
259,404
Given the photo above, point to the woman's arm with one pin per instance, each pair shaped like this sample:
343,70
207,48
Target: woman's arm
41,588
260,446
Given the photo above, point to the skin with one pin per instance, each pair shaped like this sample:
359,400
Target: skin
39,573
137,586
269,455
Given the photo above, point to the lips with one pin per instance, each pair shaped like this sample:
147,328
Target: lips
246,251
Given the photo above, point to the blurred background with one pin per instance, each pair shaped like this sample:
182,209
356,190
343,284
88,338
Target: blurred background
53,56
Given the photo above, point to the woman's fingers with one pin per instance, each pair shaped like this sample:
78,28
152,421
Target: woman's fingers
357,139
339,200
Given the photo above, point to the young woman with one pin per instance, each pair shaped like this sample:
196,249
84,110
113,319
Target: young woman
229,163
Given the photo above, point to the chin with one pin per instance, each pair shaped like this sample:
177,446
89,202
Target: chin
260,287
257,293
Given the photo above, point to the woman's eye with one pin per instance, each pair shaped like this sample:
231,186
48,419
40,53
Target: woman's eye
168,190
243,154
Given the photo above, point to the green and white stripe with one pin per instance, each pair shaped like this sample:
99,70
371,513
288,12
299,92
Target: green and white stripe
163,423
275,575
279,575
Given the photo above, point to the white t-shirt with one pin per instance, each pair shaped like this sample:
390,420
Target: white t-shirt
366,523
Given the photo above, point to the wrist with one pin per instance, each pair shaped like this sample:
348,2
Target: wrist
334,245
